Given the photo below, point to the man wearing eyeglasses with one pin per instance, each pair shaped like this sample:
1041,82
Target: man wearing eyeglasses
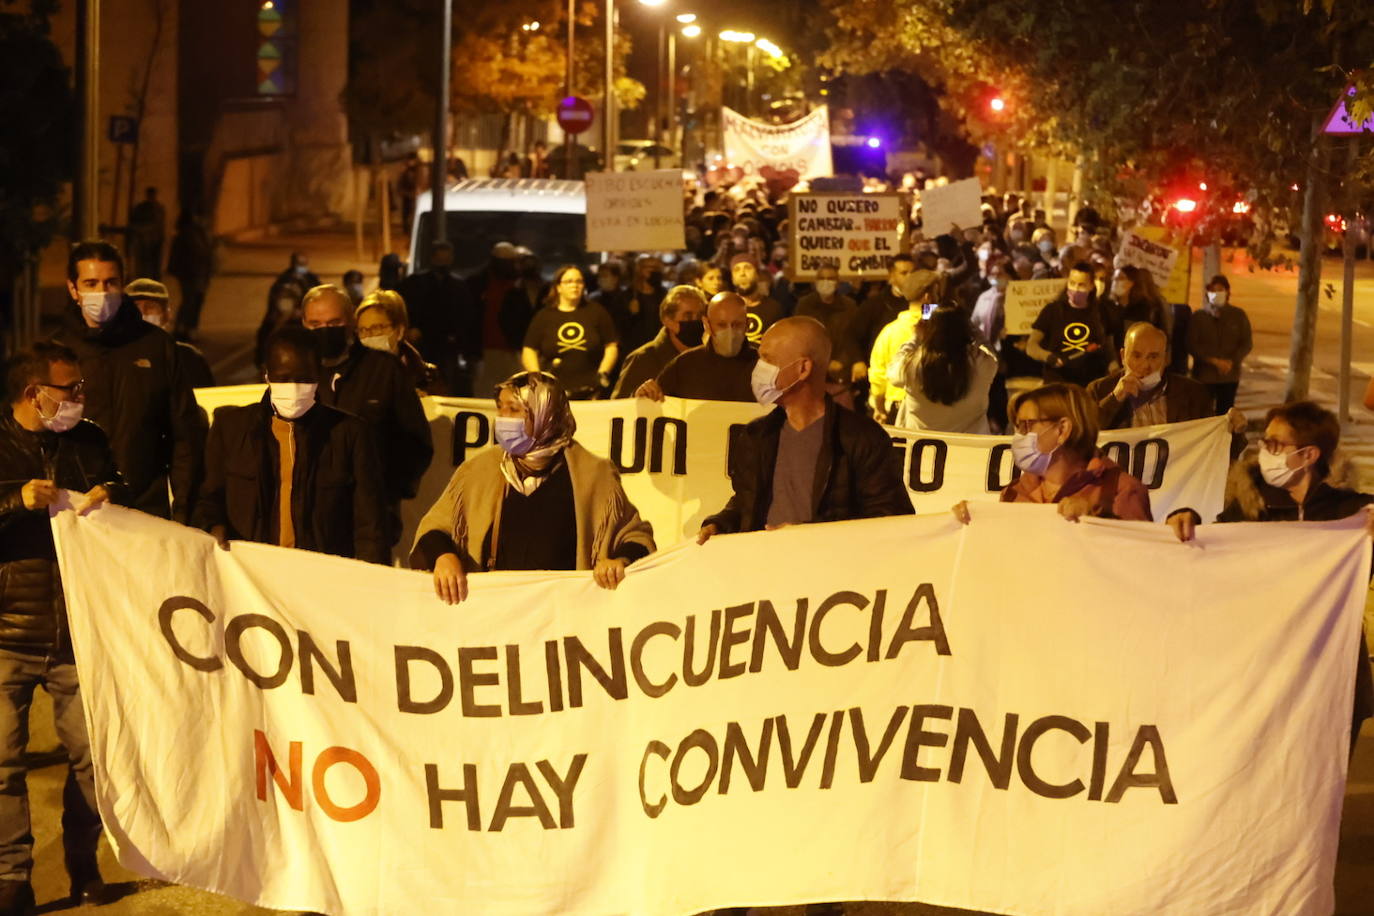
45,447
137,388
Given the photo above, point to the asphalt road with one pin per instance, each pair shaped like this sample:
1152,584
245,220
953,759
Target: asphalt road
235,306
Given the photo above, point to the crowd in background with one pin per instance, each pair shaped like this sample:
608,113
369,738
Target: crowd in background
339,438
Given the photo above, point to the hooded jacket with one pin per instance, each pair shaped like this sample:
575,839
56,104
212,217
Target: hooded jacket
137,391
33,610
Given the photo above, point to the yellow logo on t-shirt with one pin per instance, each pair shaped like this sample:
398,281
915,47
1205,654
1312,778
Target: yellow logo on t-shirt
572,336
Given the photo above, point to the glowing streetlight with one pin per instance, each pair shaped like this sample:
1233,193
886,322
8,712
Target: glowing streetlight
769,48
998,104
531,26
652,2
687,18
744,38
691,30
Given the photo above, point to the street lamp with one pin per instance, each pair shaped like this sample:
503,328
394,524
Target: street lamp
691,31
686,18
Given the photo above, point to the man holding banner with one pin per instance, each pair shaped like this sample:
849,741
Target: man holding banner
809,460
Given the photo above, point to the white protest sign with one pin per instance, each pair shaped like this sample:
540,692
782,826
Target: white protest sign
1157,258
778,152
1175,290
857,234
1020,715
634,211
959,203
674,456
1026,299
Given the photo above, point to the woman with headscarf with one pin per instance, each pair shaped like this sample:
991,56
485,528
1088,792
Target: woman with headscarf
538,501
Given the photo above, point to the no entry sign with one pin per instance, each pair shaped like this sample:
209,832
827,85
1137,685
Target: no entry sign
574,114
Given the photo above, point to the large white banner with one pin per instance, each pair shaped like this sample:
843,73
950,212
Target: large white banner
1023,715
776,151
674,456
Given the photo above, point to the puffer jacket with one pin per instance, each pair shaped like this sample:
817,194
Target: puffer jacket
33,611
858,472
139,393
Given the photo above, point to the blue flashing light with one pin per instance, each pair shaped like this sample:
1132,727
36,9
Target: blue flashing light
874,142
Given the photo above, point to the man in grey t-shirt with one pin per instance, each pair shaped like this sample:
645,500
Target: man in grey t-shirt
794,474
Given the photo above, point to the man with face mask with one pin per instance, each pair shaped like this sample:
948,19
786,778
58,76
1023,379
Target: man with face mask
299,271
151,298
1070,335
763,310
718,370
137,388
835,310
292,471
809,460
45,447
1143,393
641,305
682,313
371,384
1219,341
445,319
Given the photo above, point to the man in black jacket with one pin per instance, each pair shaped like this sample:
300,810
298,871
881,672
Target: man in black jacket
136,386
809,460
374,386
291,471
45,447
444,313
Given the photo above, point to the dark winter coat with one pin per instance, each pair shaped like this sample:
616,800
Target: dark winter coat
138,392
33,610
336,498
858,472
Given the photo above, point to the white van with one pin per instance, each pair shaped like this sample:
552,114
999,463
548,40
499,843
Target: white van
547,216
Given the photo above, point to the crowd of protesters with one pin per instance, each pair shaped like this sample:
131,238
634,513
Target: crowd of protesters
322,462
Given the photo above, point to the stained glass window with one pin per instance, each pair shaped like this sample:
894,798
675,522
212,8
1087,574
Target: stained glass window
276,47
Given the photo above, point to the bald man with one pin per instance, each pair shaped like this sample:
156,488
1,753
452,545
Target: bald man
1143,393
809,460
719,369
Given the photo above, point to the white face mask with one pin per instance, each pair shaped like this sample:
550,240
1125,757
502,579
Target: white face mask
384,342
67,414
156,321
764,381
1025,452
1148,382
1275,469
727,342
100,307
826,288
1217,299
291,400
511,435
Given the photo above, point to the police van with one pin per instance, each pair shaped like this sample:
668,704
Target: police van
547,216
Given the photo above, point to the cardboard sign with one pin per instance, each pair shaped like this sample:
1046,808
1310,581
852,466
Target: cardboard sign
1145,247
959,203
857,234
634,211
1026,299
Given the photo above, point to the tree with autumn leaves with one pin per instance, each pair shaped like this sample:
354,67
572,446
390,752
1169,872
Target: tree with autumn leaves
500,63
1141,92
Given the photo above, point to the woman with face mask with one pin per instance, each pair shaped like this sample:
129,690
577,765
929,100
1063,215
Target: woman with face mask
382,325
1298,475
538,500
1054,446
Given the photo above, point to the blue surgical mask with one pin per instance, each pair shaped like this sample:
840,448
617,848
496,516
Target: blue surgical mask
512,436
1025,451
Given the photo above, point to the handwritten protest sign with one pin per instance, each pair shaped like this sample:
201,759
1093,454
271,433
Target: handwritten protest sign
634,211
959,203
1175,288
857,234
1158,258
1025,300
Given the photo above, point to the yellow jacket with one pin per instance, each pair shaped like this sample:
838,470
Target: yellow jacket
883,390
